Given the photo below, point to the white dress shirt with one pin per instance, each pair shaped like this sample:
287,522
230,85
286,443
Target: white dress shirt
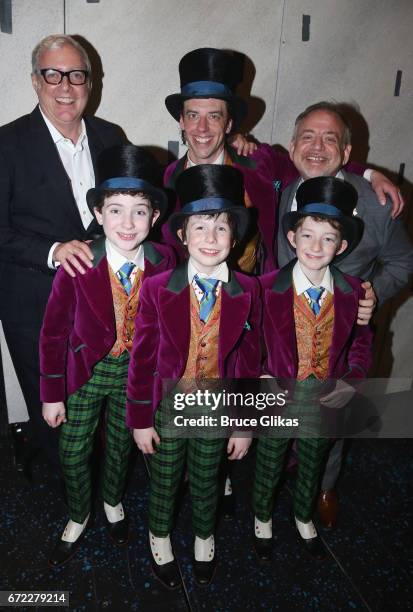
302,283
220,273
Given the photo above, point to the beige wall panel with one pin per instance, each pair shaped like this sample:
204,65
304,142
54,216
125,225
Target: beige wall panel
141,43
31,21
353,55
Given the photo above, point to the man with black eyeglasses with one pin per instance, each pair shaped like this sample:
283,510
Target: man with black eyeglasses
46,167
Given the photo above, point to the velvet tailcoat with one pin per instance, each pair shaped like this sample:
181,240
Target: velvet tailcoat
162,337
79,327
350,351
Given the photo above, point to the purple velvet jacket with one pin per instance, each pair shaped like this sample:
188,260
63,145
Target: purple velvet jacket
350,351
79,326
161,344
266,173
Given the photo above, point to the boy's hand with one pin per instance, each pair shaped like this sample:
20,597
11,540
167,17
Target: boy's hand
242,145
238,447
71,255
340,396
366,306
54,413
145,439
383,186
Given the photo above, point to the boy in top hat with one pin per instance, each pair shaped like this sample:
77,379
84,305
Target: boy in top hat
87,335
199,321
311,334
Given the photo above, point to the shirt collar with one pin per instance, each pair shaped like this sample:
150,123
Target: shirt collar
116,260
302,283
221,272
58,136
219,160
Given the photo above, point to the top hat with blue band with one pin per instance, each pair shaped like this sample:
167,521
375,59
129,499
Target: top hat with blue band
210,73
128,167
211,189
329,198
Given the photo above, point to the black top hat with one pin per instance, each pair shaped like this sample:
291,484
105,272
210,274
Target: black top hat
210,73
209,189
128,167
330,198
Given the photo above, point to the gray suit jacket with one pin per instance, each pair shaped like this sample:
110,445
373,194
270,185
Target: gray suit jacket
385,253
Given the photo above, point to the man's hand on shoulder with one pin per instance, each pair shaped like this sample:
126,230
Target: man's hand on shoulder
242,145
74,256
366,306
384,187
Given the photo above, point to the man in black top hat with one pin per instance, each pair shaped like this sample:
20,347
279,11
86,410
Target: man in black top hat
208,109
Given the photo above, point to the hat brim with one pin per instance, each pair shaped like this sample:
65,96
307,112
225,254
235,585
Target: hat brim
239,107
352,229
158,197
240,213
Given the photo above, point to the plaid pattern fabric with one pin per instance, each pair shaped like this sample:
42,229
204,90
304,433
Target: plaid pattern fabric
167,465
124,273
208,286
311,453
76,436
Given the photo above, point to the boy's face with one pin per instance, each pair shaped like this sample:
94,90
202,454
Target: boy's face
316,244
209,240
126,220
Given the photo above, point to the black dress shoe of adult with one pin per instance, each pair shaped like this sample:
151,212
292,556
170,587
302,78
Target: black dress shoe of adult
21,446
203,571
168,573
64,551
314,547
119,531
228,507
263,548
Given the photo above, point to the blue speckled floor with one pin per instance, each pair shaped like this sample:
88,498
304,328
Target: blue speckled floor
369,567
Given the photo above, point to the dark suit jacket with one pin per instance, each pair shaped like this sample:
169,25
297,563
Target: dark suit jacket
350,351
79,326
384,255
161,345
37,207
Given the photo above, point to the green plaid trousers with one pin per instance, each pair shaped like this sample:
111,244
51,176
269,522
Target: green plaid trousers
107,386
203,456
270,458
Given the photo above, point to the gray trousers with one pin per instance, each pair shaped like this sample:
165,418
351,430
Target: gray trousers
333,466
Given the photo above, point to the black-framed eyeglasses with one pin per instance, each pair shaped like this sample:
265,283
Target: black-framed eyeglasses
52,76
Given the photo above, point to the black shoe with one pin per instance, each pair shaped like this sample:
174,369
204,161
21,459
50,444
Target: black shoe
203,571
64,551
228,507
263,548
314,547
21,446
168,573
119,531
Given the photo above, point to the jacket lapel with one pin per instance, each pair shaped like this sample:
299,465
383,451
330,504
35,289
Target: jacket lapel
279,304
152,259
52,170
235,308
174,307
345,315
95,286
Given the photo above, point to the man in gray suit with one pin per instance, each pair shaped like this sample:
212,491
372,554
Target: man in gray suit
321,146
